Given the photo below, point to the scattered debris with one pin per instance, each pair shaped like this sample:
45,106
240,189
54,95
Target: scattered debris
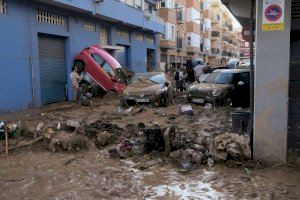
186,110
65,141
208,106
210,162
73,124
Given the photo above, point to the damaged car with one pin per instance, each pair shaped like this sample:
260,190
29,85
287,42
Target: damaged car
153,87
223,87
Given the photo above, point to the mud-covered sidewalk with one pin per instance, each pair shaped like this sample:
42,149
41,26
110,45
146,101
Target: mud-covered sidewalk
34,172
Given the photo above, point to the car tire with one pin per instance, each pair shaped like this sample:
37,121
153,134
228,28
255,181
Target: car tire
163,101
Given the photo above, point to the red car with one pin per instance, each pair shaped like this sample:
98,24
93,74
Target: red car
102,68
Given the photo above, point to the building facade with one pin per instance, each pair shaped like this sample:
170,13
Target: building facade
197,28
40,38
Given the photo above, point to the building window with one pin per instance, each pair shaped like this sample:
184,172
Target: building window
139,37
162,4
88,26
3,6
123,33
103,36
150,39
189,41
51,18
172,58
163,57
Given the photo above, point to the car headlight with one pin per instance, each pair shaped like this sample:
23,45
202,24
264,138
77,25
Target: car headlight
216,92
160,91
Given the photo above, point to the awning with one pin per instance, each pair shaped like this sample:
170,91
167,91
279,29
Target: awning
240,9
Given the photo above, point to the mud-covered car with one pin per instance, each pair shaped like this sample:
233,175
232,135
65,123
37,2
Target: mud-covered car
228,87
153,87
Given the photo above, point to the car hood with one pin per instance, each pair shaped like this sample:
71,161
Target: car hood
207,87
146,89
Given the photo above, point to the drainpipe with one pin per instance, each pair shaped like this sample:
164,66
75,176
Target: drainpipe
252,26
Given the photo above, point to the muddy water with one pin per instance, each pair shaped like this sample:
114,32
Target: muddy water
92,175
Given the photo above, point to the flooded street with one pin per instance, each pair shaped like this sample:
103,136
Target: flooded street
92,175
36,173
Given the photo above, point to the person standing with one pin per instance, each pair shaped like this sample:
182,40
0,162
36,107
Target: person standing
198,70
75,78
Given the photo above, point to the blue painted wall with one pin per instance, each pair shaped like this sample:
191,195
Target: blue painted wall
19,32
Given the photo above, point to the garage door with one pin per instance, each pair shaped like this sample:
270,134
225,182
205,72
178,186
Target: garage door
53,77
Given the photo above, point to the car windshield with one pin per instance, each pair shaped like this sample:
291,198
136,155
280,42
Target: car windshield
219,78
148,78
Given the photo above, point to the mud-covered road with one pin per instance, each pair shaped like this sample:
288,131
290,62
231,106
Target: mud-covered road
36,173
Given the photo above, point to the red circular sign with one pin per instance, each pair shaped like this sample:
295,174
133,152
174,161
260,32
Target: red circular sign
273,12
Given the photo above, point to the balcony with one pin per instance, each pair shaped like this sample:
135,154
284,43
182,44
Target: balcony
169,15
114,11
167,44
180,43
180,17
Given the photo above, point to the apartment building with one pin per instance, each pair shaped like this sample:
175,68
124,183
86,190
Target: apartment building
39,40
197,28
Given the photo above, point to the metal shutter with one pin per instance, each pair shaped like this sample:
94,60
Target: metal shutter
53,72
294,93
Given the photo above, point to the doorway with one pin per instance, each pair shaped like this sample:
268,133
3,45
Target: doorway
150,60
53,70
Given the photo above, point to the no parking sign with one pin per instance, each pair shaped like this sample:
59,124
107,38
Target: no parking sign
273,15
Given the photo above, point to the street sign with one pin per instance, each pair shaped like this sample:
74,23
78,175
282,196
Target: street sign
273,15
246,33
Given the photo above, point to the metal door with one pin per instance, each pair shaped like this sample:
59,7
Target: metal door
53,77
294,93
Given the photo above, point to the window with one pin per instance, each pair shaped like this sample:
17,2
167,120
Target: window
189,41
162,4
150,39
173,33
102,63
138,4
91,27
107,68
3,7
103,36
51,18
139,37
163,58
123,33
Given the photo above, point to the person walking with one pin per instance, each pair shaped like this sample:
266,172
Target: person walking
198,70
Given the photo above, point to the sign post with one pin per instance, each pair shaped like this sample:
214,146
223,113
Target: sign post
273,15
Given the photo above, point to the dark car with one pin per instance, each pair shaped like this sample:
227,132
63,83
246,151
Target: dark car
223,87
153,87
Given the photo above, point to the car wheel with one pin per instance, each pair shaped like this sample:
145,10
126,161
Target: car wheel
163,101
